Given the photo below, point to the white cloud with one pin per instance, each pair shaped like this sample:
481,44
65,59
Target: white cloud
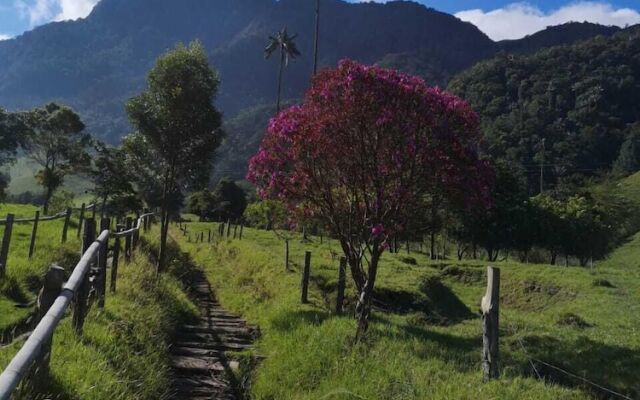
520,19
5,37
74,9
43,11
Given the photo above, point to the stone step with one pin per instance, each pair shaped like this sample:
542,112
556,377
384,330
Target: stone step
197,363
216,329
214,346
196,352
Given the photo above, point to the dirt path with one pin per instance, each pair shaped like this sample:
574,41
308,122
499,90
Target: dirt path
202,368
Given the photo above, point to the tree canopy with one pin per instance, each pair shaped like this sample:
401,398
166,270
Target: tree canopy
56,140
178,123
362,153
567,110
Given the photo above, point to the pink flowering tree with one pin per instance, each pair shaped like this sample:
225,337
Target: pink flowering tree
364,153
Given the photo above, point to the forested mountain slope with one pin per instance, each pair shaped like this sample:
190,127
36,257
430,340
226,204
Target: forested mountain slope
95,64
570,109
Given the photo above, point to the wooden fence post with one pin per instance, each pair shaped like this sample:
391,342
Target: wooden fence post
235,231
127,243
146,220
342,281
81,220
93,209
241,229
490,324
115,259
65,228
136,235
221,229
102,263
228,228
209,240
305,278
34,232
286,254
6,241
81,297
53,281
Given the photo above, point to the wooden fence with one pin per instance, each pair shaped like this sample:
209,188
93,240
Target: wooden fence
9,222
88,276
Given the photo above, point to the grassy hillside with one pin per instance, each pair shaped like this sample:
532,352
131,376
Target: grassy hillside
425,337
124,350
22,175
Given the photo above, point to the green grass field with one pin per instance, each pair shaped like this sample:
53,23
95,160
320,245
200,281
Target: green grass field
425,337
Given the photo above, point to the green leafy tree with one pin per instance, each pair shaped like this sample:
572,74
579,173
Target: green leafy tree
266,214
288,51
147,179
628,160
230,198
113,180
202,203
11,131
57,142
180,125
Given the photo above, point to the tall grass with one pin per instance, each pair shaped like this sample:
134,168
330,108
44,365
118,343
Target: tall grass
425,336
123,352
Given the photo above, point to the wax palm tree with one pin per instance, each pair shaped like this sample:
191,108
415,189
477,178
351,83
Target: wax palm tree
288,50
316,40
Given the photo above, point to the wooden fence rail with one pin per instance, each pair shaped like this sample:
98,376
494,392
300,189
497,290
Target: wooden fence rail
11,220
39,341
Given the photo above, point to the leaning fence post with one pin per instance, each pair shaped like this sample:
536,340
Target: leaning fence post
34,232
342,281
127,243
53,281
6,241
102,263
82,294
490,324
81,220
65,228
305,278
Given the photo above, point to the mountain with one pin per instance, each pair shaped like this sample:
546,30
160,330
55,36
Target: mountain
569,109
570,32
95,64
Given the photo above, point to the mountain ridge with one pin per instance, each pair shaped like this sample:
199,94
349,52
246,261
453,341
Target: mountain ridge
95,64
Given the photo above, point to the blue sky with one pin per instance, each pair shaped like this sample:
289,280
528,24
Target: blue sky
500,19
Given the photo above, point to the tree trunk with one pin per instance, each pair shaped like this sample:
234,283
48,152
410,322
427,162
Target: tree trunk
47,199
433,246
280,80
363,308
317,38
553,257
355,265
164,227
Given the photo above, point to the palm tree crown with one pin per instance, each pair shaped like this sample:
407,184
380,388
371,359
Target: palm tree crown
288,51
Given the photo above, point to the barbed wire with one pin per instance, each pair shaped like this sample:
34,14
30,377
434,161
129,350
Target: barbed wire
533,360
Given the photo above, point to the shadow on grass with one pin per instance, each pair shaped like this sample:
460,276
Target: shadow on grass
435,303
563,362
